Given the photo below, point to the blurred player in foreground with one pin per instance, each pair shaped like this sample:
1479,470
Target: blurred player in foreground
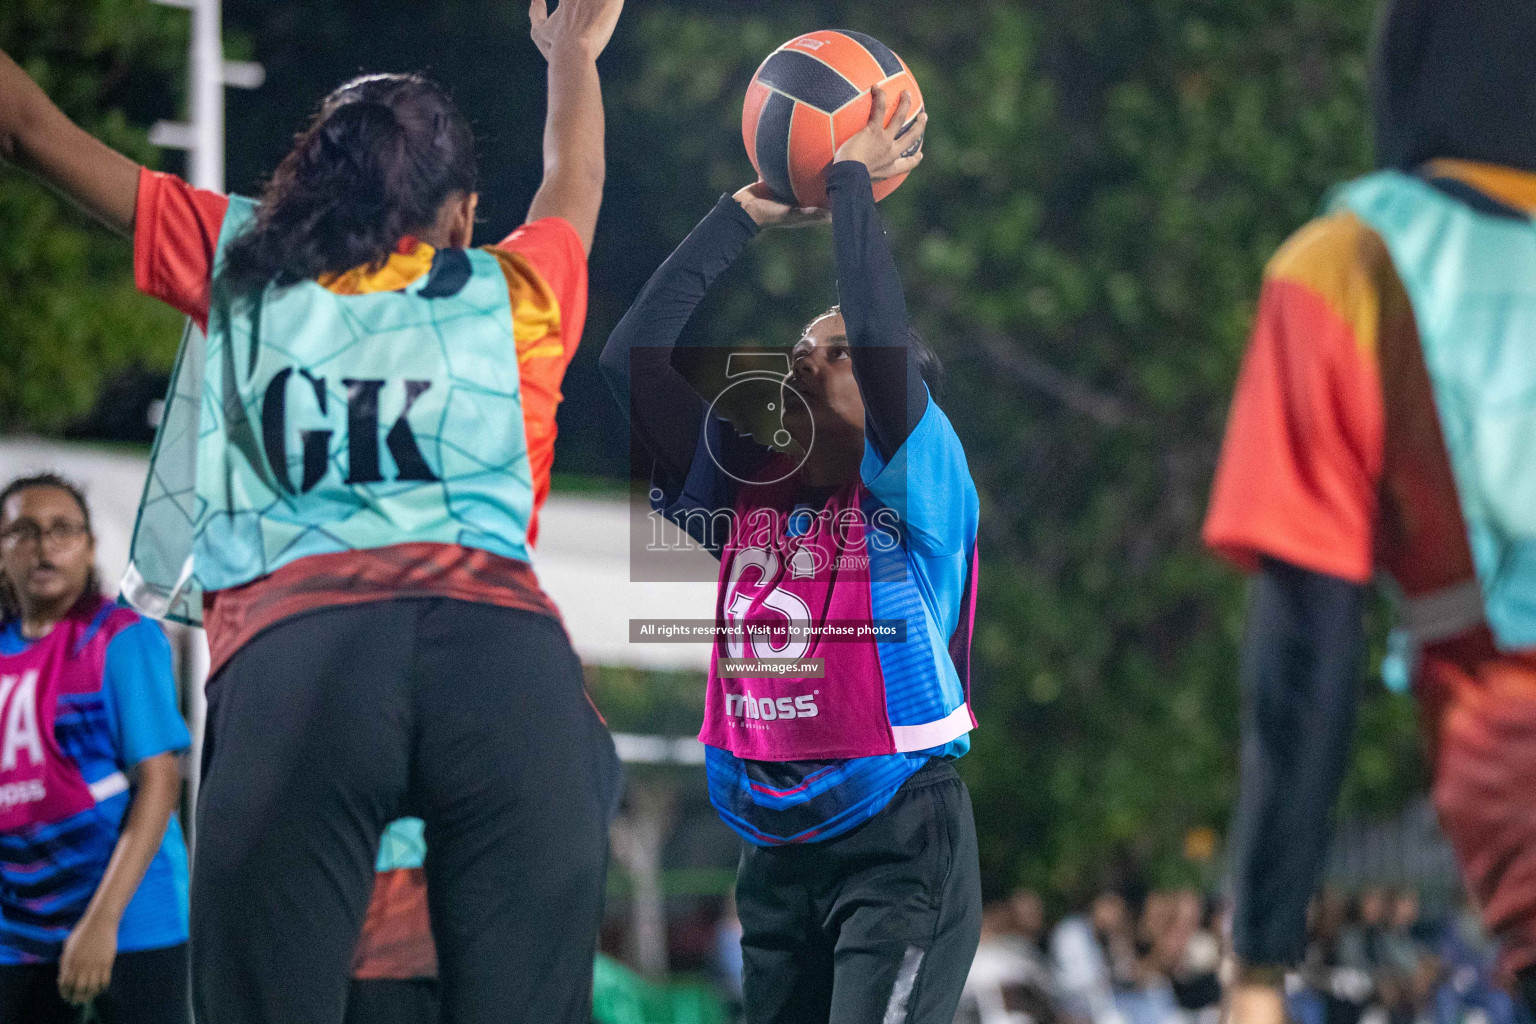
1385,420
367,452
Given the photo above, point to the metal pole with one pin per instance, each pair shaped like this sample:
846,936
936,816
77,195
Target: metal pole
207,95
202,137
207,171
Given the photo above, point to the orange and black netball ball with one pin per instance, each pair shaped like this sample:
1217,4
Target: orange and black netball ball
808,98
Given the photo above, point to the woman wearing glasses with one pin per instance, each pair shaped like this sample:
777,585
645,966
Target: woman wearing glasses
93,869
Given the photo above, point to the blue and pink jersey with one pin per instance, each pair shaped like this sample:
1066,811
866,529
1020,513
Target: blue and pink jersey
842,661
79,708
872,590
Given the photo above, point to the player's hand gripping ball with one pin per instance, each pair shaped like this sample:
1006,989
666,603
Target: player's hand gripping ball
812,95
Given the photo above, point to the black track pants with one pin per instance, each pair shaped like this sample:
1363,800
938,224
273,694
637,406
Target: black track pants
878,925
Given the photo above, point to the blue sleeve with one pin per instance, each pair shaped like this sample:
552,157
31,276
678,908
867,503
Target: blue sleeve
142,689
928,484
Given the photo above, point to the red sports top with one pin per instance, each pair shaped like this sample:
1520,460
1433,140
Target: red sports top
1333,459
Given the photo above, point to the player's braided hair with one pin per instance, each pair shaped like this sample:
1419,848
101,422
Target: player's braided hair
376,164
928,363
10,603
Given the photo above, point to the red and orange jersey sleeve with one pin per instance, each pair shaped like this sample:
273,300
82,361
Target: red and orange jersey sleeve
546,270
1300,471
553,248
175,235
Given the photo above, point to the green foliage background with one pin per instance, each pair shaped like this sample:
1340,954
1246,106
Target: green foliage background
1083,244
70,316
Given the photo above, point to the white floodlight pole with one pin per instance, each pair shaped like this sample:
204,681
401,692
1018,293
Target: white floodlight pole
207,165
202,137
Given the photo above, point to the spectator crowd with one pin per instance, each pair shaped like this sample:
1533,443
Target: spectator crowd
1157,958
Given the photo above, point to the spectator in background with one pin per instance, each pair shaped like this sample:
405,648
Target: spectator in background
93,870
1351,981
1405,974
1025,940
1369,960
1196,961
1144,993
1401,949
1378,963
1307,987
1360,942
1009,981
1085,949
1029,920
1469,965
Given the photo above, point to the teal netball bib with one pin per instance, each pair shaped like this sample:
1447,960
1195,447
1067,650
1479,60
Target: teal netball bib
308,423
1470,274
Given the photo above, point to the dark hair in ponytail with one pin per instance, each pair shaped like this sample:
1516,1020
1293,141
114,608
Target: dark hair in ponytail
377,162
10,603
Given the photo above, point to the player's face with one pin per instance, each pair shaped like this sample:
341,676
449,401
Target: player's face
822,374
45,550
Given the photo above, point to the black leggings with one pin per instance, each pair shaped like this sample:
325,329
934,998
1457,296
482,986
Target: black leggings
147,987
329,725
387,1001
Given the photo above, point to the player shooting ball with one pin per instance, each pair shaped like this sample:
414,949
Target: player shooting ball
859,890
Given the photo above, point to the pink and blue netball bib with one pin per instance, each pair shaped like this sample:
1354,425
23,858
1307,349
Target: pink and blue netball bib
79,708
39,785
794,587
872,591
843,659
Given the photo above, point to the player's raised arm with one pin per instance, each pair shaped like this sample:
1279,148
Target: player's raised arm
869,288
574,165
664,409
36,136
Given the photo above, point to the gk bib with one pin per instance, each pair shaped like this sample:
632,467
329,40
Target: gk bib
1471,278
308,422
